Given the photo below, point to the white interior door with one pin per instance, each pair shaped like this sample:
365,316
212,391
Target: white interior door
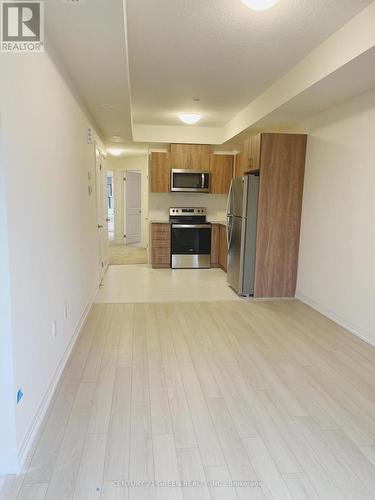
133,211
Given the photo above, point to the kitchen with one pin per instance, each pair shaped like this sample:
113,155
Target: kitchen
250,229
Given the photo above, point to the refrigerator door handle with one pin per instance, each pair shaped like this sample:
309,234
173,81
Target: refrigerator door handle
229,230
229,200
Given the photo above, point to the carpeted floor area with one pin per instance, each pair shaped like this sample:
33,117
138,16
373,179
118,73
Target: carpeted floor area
121,254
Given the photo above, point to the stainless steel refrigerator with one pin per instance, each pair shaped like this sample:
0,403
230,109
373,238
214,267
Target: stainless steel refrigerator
242,212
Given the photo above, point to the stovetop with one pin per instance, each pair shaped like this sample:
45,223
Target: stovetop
186,215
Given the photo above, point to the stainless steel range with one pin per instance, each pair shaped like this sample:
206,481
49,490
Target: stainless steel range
190,238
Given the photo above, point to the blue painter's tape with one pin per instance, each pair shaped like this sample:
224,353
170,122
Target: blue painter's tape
19,395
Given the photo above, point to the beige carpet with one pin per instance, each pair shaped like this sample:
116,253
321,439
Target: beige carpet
121,254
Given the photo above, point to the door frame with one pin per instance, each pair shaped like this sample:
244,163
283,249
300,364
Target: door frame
123,173
101,212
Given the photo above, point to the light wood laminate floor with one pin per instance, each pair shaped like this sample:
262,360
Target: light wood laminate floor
217,400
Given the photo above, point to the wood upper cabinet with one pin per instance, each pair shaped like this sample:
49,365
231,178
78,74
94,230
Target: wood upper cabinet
160,172
221,168
249,159
190,156
253,151
240,164
282,167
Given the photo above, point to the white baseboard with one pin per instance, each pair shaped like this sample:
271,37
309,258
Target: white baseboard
2,481
355,330
33,428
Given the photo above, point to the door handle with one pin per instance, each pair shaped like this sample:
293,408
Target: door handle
100,226
108,220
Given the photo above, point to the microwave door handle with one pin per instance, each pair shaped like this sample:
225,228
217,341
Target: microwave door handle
202,184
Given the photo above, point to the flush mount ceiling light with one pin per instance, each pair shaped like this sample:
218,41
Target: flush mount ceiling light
115,151
259,4
189,118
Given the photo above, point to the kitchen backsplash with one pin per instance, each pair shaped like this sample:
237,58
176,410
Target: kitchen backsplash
159,204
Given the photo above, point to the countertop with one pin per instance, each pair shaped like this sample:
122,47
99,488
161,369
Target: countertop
215,221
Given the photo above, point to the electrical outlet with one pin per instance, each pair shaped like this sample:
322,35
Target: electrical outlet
19,395
66,311
54,329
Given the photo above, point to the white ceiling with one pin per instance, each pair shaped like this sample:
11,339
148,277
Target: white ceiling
219,51
175,50
90,40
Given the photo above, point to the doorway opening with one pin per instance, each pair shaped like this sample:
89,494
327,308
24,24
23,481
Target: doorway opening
110,206
129,210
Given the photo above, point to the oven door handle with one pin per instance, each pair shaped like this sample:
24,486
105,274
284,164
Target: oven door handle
191,226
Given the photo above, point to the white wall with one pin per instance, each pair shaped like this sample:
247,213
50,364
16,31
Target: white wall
160,203
8,447
119,165
336,264
52,235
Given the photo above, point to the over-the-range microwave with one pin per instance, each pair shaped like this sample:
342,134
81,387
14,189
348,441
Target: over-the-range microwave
196,181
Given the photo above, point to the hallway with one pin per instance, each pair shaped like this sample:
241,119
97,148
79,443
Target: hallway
119,255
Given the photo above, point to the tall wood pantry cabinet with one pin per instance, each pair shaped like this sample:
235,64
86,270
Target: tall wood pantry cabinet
279,160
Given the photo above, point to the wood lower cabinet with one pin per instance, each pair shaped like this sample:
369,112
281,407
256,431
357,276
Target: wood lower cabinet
160,245
219,250
223,248
221,169
160,172
215,231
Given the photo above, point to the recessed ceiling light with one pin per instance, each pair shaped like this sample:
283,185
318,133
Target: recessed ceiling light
189,118
107,106
115,151
259,4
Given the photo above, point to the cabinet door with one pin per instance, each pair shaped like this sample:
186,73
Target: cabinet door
215,242
181,160
223,248
160,245
190,156
254,152
200,161
221,168
279,214
239,164
160,172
